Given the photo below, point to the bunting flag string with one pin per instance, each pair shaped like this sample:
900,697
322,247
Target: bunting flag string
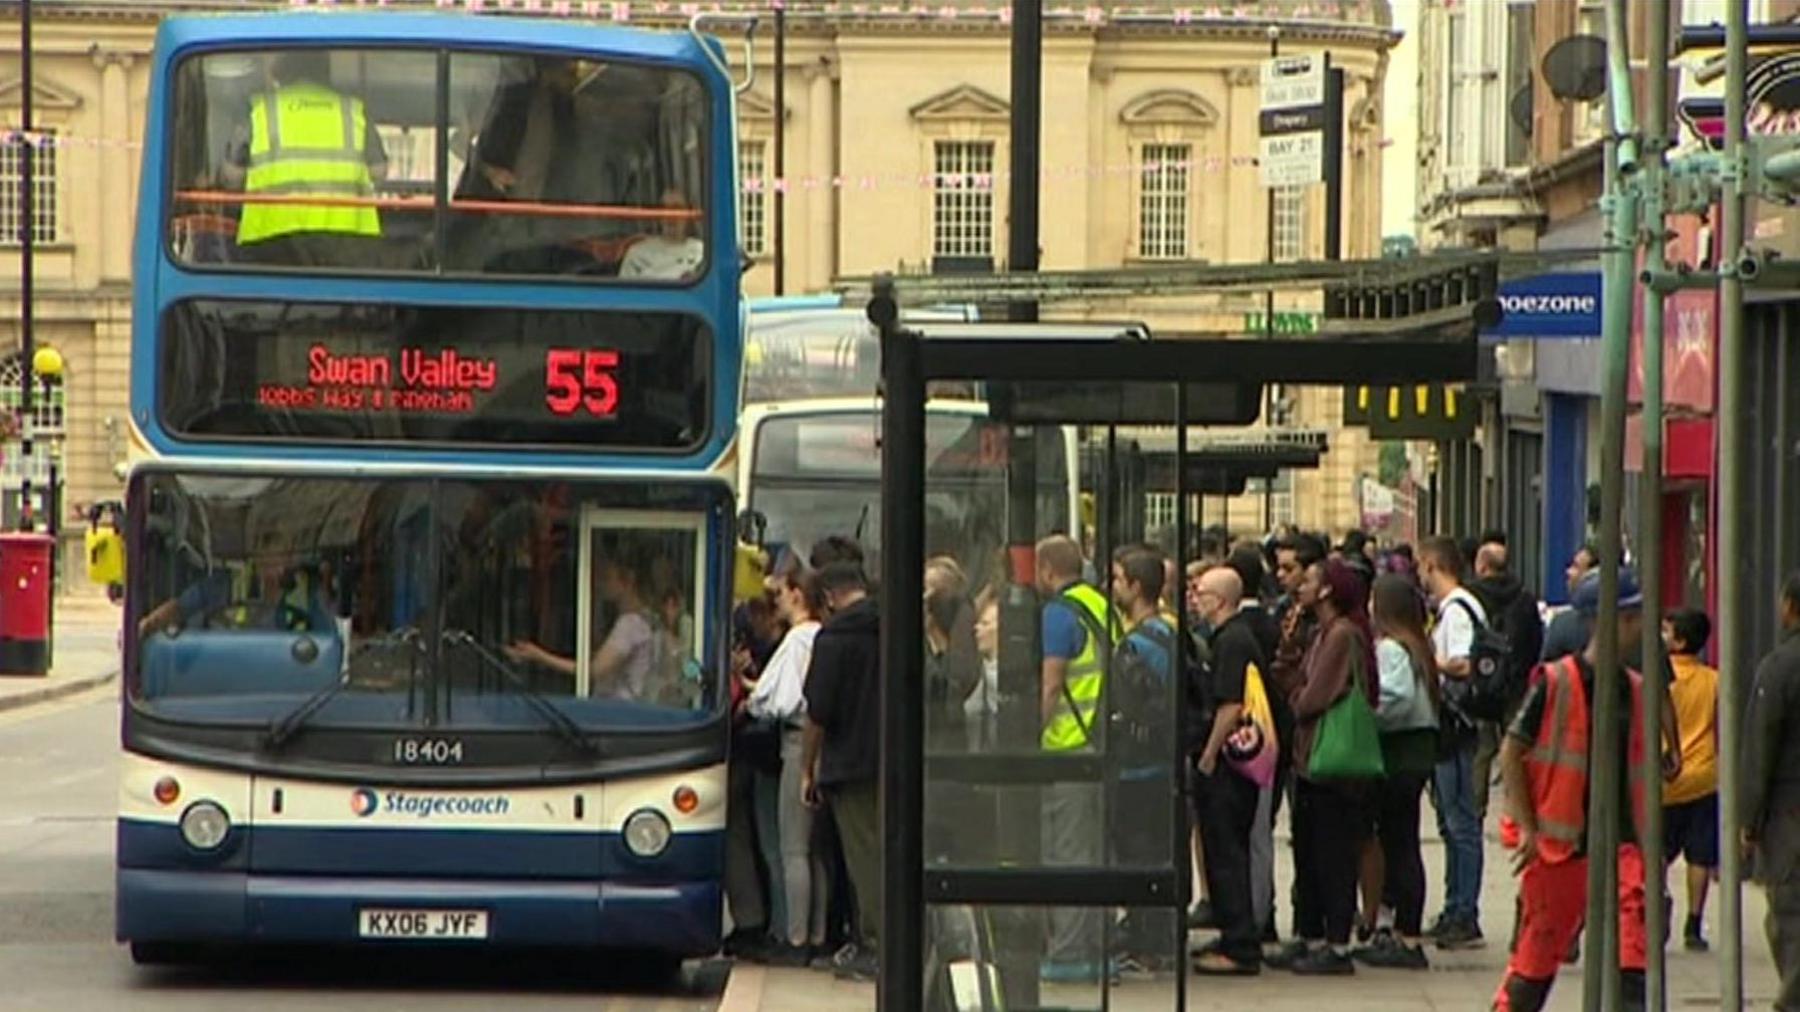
977,181
1095,14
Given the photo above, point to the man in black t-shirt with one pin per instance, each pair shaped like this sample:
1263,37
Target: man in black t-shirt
842,742
1226,800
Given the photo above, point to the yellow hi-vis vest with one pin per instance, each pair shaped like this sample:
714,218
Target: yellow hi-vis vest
306,138
1068,728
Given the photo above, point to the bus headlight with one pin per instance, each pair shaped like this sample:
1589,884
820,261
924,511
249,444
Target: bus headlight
647,833
205,825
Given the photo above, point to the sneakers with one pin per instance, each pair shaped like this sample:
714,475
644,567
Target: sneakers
747,943
785,954
1143,966
1460,933
1200,915
1283,957
1324,962
1078,971
1691,939
832,961
863,966
1389,952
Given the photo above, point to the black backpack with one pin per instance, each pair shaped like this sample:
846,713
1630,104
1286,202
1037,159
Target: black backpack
1139,706
1134,696
1488,690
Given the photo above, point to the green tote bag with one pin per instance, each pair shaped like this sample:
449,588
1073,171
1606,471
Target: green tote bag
1348,745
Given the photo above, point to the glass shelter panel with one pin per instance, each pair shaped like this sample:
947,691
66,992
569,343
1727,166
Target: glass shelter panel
1058,692
420,160
986,957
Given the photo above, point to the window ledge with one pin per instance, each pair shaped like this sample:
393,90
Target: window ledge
1136,260
39,247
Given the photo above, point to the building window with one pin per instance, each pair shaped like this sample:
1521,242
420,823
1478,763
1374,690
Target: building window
43,191
752,208
1280,494
1456,48
962,200
1519,46
1163,202
1591,20
1290,222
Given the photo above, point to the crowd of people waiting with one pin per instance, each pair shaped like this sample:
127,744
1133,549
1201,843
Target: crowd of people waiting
1346,682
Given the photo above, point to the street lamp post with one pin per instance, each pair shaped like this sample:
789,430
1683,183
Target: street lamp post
47,366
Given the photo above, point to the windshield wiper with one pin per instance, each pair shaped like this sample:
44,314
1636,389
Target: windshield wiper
566,729
281,730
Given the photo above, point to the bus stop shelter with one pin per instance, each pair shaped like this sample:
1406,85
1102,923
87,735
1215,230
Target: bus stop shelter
1001,856
1133,464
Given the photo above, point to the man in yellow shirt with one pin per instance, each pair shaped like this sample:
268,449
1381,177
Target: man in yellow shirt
1691,801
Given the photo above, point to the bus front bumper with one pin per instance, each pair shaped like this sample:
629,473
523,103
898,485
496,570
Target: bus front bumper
160,905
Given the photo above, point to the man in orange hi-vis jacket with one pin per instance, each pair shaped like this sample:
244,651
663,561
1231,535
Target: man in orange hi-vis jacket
1545,761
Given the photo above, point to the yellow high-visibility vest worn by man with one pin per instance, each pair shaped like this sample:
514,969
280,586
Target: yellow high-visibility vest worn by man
306,138
1078,635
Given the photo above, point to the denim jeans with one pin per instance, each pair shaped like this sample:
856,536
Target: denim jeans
1459,823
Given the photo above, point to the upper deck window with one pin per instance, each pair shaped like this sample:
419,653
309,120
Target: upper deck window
423,161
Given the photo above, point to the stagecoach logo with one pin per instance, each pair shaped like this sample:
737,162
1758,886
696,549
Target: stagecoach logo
365,802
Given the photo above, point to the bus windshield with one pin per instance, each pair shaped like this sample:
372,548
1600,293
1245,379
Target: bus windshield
809,354
454,603
437,161
819,473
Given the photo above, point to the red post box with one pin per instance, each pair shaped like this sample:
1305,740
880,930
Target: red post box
25,586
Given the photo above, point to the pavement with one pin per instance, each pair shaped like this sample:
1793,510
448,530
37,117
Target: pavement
84,652
1462,980
58,797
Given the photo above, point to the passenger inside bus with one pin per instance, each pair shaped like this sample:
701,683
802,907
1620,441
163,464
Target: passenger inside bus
635,649
303,136
525,136
672,252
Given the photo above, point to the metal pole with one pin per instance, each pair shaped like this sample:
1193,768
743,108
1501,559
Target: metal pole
1027,128
1600,981
1733,614
1268,320
1334,161
1181,845
1650,514
27,241
781,147
902,800
1019,841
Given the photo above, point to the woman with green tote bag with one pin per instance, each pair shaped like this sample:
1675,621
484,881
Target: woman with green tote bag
1337,753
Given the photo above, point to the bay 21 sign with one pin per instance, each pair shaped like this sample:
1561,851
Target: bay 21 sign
1556,305
1292,120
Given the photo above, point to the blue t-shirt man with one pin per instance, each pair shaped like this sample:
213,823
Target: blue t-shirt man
1064,635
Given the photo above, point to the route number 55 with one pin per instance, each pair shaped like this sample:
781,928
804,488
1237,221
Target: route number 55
575,379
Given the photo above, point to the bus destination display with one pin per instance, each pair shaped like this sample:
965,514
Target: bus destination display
442,381
394,373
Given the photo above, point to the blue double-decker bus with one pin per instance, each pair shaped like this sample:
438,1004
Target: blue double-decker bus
434,385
